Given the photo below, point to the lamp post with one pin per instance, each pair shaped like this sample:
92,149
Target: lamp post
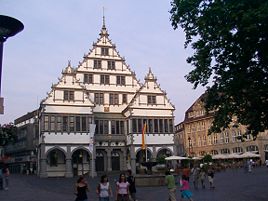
8,27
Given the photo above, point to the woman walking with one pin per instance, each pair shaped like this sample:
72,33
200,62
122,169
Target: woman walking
81,189
122,188
185,189
104,190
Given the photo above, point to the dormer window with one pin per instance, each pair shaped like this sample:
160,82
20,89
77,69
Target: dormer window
151,99
104,51
68,95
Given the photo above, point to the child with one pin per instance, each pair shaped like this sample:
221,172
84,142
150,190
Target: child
185,189
211,178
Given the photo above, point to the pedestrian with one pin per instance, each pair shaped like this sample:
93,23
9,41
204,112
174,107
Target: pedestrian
202,176
186,172
185,189
132,185
266,163
81,189
5,173
211,178
170,181
122,188
104,190
250,163
1,176
195,172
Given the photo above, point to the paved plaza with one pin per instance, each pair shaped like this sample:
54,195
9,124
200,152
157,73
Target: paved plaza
231,185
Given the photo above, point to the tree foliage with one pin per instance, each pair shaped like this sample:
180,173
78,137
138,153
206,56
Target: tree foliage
230,43
8,134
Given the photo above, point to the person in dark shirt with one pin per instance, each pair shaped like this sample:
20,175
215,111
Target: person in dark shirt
81,189
132,185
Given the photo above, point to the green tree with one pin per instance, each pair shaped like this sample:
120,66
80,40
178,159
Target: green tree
8,134
230,43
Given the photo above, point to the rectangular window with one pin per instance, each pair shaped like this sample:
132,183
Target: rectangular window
97,126
166,125
84,124
59,124
88,78
71,124
78,124
99,98
46,122
134,125
111,65
124,98
140,125
120,80
150,125
105,79
114,100
122,127
106,127
97,64
101,126
161,125
104,51
156,125
64,124
171,126
52,123
68,95
113,127
151,99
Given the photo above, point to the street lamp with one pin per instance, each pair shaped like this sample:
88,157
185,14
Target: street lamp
8,27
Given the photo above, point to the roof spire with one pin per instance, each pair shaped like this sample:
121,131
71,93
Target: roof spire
103,18
104,31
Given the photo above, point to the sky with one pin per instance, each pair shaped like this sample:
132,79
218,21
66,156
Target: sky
58,31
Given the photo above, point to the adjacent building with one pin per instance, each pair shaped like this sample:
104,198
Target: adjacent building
197,142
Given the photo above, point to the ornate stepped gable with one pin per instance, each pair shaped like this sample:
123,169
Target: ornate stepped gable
103,70
68,82
157,99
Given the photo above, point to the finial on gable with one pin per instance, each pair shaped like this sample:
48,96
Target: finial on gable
150,75
103,18
69,63
104,31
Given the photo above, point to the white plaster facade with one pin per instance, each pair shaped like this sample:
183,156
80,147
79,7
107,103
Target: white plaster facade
102,90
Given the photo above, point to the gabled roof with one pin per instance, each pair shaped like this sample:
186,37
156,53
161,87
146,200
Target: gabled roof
67,81
145,89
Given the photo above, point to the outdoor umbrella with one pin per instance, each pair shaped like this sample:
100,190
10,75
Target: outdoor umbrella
176,158
249,155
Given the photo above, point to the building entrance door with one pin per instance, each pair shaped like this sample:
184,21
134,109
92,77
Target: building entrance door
99,162
115,161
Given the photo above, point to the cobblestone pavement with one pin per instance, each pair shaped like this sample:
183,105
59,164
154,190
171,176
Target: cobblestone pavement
231,185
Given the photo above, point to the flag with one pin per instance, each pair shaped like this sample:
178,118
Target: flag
143,145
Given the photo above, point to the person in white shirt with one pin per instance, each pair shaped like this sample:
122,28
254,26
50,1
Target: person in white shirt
104,190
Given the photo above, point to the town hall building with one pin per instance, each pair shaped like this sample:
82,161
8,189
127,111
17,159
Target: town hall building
103,96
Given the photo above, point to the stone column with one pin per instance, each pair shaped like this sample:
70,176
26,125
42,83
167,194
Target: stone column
154,153
68,163
124,162
133,159
109,161
43,161
93,160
